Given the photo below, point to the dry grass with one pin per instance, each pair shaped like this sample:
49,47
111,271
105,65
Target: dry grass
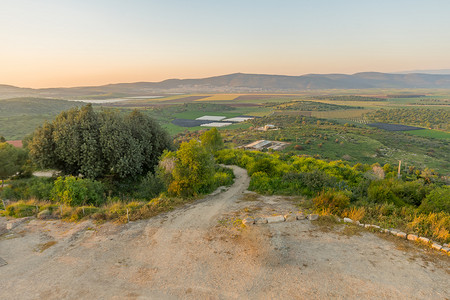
326,223
351,230
356,214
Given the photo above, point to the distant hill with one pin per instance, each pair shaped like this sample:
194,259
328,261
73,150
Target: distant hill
434,71
240,82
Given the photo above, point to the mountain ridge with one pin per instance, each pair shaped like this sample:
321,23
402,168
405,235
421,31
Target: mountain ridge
244,82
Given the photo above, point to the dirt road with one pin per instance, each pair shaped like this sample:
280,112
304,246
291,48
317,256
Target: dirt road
196,252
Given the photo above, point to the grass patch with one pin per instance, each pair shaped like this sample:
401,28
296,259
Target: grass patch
430,133
326,223
250,197
351,230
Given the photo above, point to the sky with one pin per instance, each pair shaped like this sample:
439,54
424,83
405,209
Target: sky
64,43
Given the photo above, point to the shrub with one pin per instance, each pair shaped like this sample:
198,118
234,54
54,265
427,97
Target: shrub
260,182
30,188
21,209
437,200
75,191
263,165
149,187
332,201
382,191
222,179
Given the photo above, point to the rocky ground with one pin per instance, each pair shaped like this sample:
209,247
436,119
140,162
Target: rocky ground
201,251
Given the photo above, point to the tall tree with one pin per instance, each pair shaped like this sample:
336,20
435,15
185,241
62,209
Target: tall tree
97,144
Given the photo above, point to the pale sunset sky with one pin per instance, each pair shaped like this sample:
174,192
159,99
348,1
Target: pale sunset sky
63,43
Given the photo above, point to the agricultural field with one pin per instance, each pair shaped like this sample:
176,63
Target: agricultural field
430,133
329,124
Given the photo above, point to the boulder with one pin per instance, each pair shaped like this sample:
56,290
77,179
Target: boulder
412,237
248,221
348,220
401,234
275,219
290,217
436,246
260,220
424,240
300,216
313,217
445,249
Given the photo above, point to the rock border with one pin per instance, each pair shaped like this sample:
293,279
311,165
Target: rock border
312,217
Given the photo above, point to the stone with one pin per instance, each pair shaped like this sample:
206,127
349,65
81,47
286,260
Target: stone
445,245
367,226
260,220
300,216
313,217
361,225
445,249
376,226
412,237
275,219
348,220
45,214
290,217
393,232
401,234
424,240
386,230
436,246
248,221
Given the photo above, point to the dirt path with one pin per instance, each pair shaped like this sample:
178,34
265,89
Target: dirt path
195,252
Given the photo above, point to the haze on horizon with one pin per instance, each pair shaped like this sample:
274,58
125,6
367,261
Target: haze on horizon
50,43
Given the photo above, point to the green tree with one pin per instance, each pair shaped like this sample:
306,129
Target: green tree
10,161
98,144
212,140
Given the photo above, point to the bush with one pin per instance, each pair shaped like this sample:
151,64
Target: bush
262,165
30,188
222,179
21,209
332,201
437,200
149,187
382,191
75,191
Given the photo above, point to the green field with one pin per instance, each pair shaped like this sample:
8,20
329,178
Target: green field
436,134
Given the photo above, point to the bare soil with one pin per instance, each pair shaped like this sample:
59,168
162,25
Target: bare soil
201,251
